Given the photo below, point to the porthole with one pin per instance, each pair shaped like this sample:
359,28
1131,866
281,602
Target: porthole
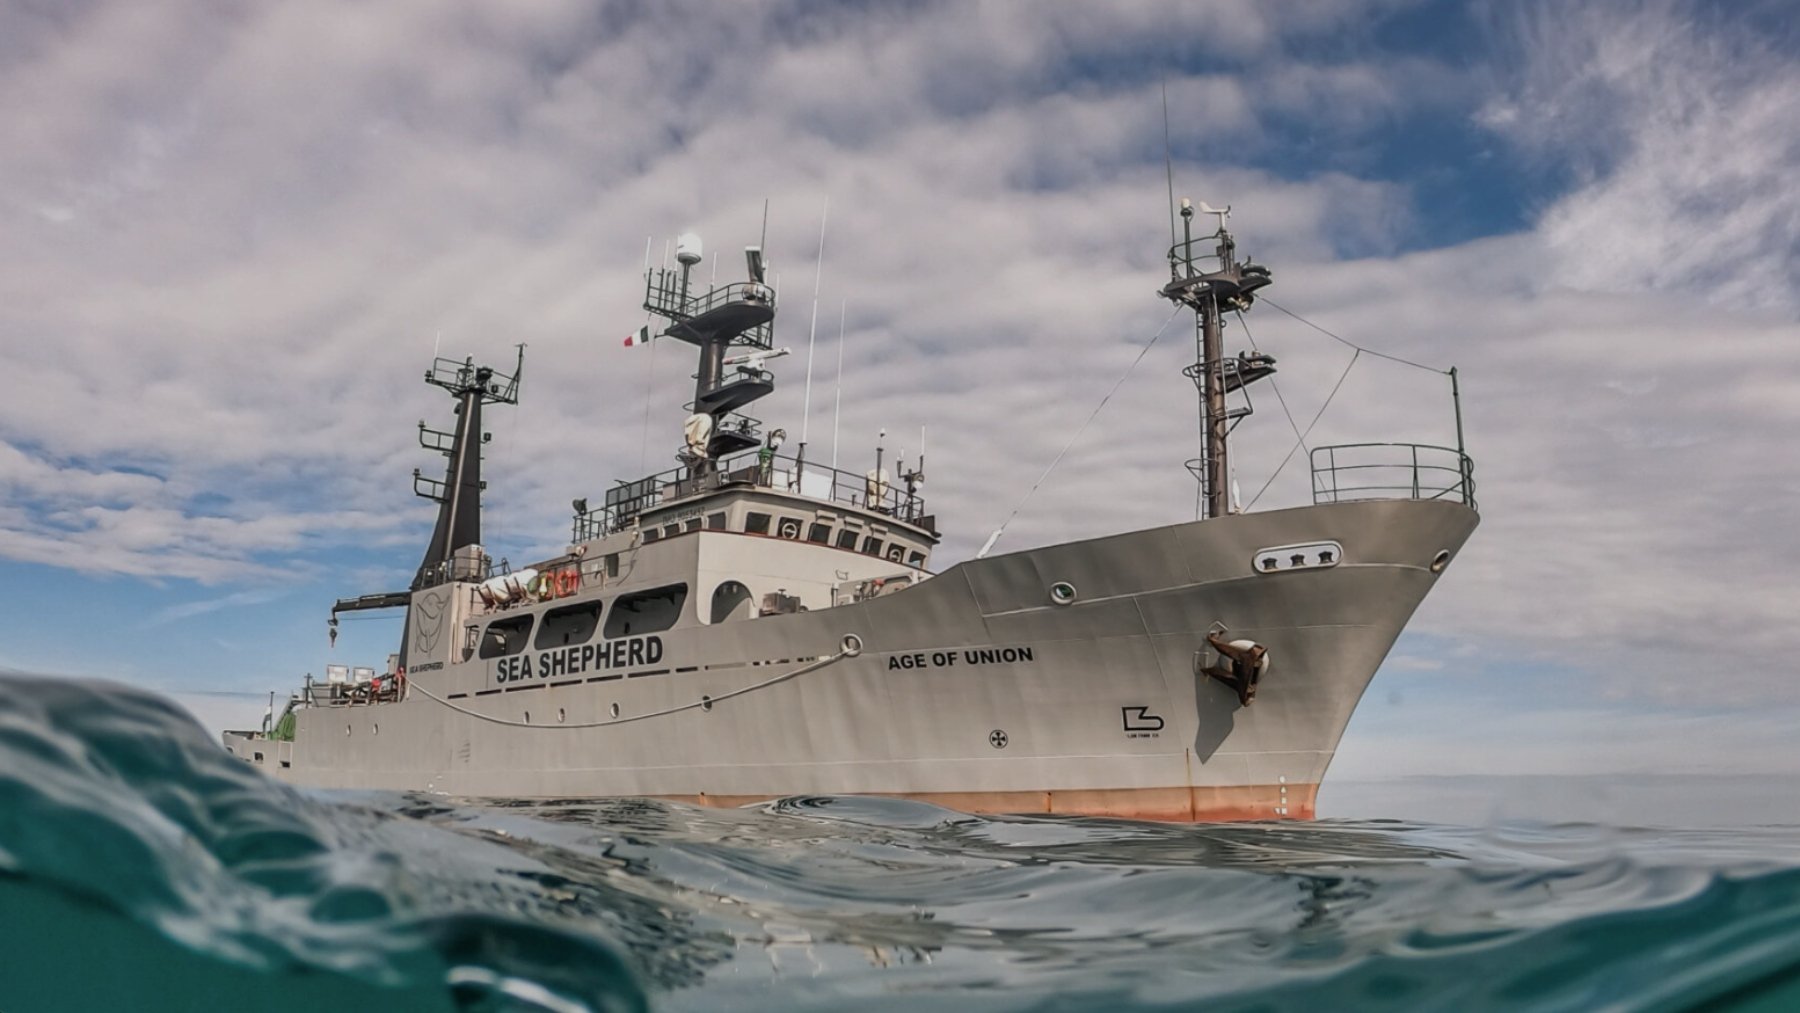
1062,593
1439,561
615,710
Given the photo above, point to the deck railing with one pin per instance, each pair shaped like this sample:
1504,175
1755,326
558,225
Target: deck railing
626,500
1361,471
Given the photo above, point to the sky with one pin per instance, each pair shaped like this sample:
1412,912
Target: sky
235,235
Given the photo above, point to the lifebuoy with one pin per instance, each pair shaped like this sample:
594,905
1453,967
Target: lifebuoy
567,582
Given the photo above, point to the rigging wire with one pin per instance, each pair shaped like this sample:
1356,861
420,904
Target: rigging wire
1346,341
1357,352
1309,426
995,537
1276,387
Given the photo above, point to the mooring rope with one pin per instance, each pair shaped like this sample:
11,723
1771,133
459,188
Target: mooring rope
852,646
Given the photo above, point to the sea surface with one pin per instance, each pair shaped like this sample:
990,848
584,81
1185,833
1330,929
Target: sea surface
141,868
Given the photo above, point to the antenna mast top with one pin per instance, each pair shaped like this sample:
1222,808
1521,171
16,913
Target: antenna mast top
487,383
1209,283
734,315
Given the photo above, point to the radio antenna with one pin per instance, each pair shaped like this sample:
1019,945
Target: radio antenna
813,333
1168,160
837,408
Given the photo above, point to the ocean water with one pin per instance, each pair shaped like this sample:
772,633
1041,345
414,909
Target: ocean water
141,868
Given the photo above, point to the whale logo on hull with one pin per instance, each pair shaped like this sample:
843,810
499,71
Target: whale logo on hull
428,617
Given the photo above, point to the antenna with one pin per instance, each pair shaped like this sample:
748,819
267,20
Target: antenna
813,333
649,386
1169,160
837,408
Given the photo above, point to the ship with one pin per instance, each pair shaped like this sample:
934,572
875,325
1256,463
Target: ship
753,625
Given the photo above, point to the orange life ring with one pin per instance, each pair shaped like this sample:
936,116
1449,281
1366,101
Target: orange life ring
567,582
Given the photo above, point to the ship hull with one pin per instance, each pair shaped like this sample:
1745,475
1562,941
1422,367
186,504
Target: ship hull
975,689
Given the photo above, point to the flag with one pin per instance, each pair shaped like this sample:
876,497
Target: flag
642,337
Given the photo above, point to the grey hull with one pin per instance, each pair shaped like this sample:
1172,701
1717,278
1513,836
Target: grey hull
973,687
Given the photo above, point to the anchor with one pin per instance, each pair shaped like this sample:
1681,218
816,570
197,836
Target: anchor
1240,666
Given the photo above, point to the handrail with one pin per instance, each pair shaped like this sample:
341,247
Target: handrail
626,500
1399,471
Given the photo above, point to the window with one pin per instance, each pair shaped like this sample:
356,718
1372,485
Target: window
757,524
505,636
872,546
651,535
612,565
731,600
820,533
570,624
918,559
671,530
846,539
646,611
715,522
691,524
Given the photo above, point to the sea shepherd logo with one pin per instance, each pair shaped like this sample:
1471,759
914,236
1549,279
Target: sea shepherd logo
579,659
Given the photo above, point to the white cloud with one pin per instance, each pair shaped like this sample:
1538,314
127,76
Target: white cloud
1680,124
263,221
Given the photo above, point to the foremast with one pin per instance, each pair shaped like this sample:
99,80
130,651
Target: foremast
458,496
1210,293
454,551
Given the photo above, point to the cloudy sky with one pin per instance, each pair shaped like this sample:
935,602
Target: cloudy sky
234,235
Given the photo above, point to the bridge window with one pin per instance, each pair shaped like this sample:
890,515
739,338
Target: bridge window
756,524
671,530
505,636
646,611
820,533
651,535
846,539
570,624
918,559
872,546
691,525
716,522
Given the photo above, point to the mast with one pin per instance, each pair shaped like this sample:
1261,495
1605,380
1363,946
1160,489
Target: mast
736,314
1231,286
459,495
